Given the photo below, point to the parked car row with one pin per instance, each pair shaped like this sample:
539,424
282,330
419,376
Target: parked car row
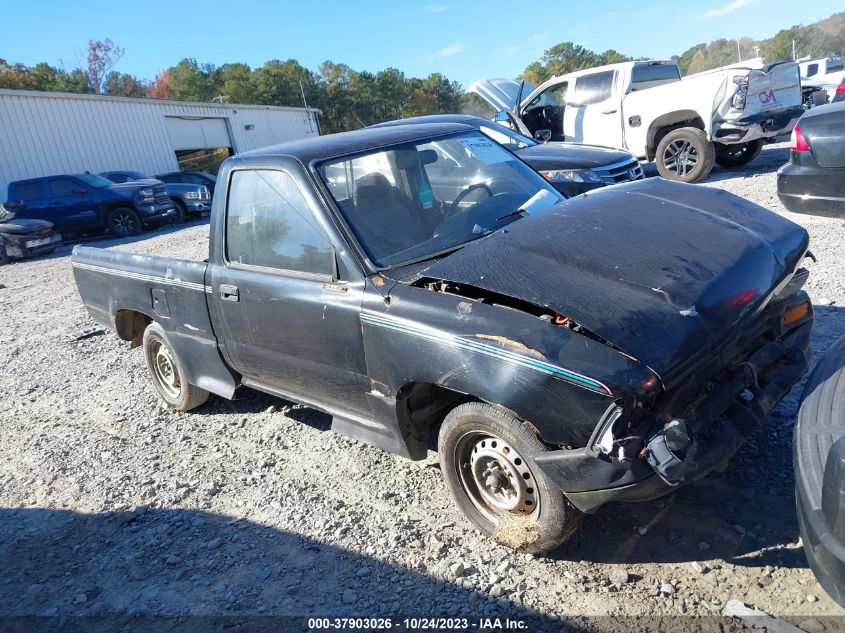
39,211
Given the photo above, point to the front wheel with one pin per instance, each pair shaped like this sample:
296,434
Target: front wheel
685,155
180,215
738,154
123,222
166,372
487,460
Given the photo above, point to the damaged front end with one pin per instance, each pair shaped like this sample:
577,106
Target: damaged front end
643,450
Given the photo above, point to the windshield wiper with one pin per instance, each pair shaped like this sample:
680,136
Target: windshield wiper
519,211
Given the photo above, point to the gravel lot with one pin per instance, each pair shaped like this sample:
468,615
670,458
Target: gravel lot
112,505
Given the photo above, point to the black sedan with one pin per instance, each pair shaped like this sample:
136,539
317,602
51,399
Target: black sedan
571,168
813,181
25,237
819,463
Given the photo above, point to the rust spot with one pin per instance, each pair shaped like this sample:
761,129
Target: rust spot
533,428
378,280
510,343
464,307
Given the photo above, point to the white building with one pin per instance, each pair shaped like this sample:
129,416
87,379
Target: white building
47,133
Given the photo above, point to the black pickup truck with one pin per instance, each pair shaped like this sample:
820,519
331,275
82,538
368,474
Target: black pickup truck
562,354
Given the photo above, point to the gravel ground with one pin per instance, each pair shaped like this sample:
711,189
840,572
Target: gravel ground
112,505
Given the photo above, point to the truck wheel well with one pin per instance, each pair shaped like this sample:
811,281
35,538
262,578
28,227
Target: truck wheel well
130,325
664,124
421,407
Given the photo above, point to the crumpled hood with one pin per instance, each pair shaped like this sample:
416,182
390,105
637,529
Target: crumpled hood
571,156
662,270
22,226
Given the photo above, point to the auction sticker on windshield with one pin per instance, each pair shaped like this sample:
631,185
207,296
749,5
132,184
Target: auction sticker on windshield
485,151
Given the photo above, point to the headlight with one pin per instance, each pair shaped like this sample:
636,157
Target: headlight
191,195
741,94
571,175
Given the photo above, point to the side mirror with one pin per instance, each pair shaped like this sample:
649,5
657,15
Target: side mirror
502,117
542,135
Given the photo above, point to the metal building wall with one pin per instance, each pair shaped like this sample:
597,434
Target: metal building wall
44,133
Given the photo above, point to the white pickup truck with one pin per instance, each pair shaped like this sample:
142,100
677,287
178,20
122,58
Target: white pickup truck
827,73
684,124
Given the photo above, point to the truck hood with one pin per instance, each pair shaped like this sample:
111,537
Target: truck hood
11,225
661,270
500,93
555,155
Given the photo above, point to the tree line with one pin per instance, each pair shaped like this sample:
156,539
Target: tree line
350,99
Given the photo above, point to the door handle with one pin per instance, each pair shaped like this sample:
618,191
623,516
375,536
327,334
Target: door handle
609,112
229,292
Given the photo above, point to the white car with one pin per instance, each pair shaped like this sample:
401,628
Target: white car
684,124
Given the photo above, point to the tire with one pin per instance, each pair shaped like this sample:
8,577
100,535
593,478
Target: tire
685,155
166,371
181,213
123,222
477,438
4,256
738,154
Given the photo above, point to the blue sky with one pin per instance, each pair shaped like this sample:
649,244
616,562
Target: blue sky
464,40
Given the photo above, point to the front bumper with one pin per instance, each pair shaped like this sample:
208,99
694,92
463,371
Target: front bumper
723,417
811,189
156,212
197,206
22,246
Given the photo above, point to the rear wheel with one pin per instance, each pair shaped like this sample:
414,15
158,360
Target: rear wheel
123,221
738,154
488,463
685,155
166,372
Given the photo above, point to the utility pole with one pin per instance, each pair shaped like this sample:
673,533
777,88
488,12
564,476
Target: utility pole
793,49
756,50
738,52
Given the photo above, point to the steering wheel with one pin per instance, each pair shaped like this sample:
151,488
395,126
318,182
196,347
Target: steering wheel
453,208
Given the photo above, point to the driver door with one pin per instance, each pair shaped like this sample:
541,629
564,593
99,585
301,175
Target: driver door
594,112
546,111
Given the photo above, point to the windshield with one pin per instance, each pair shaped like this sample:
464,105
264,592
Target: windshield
505,137
97,182
414,201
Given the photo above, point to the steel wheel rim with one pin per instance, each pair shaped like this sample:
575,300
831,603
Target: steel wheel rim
124,223
680,156
164,369
495,477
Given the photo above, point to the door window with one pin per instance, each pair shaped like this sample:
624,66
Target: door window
27,191
269,224
64,187
812,69
593,88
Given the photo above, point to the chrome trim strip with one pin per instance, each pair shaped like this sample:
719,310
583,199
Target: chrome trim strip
415,329
806,197
143,277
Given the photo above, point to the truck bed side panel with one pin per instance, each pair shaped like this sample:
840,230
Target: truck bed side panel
172,292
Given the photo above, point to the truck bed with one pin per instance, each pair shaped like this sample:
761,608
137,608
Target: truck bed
117,287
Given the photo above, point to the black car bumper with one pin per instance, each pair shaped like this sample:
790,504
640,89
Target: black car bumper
725,416
21,246
197,206
812,189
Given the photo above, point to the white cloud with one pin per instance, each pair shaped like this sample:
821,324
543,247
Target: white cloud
736,5
510,50
435,8
448,51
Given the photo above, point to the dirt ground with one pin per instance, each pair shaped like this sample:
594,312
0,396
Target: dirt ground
118,509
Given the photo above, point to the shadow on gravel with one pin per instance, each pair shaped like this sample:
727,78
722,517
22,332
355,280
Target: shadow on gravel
190,570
